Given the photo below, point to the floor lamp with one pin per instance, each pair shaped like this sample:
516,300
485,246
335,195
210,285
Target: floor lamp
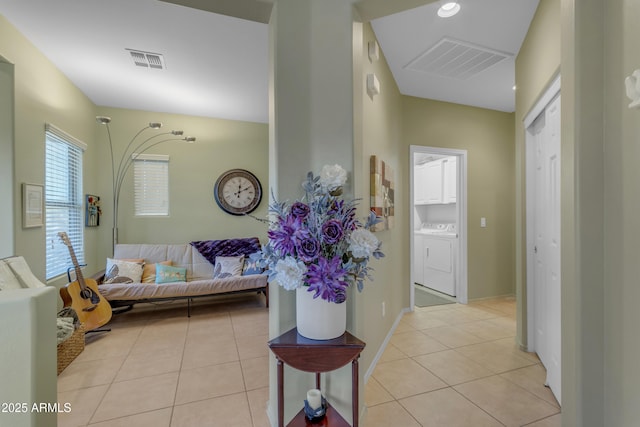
133,150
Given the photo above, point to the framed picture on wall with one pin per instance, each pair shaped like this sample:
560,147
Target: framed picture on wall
92,211
382,193
32,205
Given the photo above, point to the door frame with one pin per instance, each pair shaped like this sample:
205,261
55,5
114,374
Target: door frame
461,210
549,94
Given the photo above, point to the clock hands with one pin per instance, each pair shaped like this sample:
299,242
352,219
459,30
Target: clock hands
240,190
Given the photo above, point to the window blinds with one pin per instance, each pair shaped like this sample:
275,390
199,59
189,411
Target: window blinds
151,184
63,199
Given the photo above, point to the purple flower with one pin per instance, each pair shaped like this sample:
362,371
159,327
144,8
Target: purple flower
283,237
332,231
308,248
327,280
300,210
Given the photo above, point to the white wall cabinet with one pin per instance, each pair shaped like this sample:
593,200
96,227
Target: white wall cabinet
450,175
419,181
435,182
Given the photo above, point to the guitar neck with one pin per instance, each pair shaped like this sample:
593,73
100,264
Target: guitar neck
74,260
76,267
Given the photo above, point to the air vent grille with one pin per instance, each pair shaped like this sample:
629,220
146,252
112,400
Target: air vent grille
456,59
147,59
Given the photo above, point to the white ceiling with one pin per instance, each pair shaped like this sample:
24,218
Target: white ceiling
499,25
217,66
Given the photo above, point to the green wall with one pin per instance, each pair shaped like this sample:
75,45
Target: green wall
621,144
487,136
381,136
193,169
6,158
42,95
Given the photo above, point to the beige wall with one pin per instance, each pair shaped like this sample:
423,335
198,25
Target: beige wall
621,145
536,65
47,96
488,138
193,170
6,159
382,136
42,95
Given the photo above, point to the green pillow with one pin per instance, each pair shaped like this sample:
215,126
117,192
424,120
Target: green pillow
169,274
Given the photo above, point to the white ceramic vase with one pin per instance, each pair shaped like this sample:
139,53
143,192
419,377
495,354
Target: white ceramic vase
318,319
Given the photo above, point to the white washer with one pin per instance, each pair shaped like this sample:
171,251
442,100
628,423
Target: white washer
439,257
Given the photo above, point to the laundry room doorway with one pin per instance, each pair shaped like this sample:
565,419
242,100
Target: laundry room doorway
438,218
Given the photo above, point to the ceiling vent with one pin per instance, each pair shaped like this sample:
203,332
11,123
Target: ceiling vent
147,59
456,59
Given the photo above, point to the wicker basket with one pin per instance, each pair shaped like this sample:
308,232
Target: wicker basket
70,349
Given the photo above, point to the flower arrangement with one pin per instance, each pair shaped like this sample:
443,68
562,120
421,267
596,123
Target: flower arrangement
318,242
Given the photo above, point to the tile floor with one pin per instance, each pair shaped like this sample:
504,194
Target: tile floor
458,366
446,366
159,368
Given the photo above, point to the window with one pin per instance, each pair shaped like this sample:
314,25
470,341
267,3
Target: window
151,184
63,199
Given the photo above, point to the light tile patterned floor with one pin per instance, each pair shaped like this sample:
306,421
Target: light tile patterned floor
446,366
160,368
458,366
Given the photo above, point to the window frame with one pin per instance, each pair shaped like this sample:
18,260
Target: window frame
151,196
63,201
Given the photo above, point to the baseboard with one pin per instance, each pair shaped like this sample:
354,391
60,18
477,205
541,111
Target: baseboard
384,345
273,421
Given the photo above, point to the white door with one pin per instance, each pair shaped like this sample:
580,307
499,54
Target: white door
545,135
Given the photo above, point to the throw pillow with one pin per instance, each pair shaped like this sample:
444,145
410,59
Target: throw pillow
7,279
228,266
210,249
149,271
120,271
251,265
170,274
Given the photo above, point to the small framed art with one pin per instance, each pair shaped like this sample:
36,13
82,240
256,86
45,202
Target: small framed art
32,205
92,211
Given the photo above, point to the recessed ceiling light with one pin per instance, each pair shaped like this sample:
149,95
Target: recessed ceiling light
447,10
514,87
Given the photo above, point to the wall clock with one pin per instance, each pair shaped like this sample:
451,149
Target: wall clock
237,191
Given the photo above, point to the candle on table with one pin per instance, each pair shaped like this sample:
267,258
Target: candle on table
314,398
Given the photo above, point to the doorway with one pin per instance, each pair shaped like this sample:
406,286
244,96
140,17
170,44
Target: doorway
449,207
542,141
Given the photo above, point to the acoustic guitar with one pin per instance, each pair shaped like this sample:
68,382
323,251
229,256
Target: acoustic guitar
82,295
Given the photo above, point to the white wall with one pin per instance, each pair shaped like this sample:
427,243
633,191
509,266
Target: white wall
28,355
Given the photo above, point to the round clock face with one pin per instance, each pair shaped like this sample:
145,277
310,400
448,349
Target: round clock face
237,192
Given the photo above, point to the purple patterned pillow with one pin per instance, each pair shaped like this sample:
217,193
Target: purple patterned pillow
210,249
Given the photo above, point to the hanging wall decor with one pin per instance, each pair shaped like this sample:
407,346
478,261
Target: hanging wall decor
32,205
382,193
92,212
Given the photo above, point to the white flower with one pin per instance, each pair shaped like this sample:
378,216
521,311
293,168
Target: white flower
332,177
290,273
362,243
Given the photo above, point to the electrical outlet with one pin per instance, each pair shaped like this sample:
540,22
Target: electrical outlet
483,222
384,310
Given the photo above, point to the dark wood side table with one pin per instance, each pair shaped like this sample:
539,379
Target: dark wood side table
317,357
